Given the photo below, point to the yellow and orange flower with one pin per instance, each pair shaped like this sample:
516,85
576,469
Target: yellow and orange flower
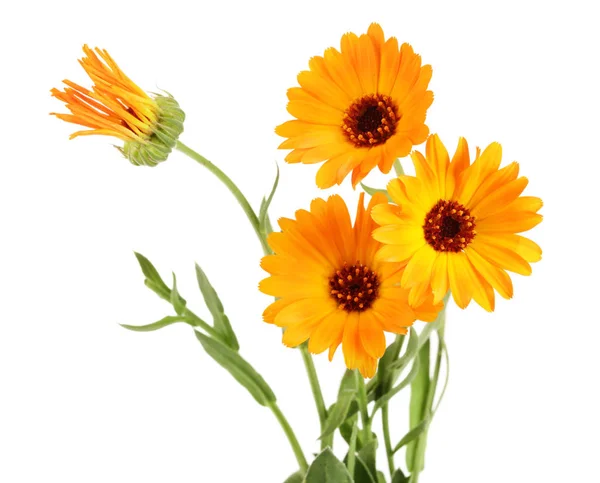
359,108
456,224
117,107
331,289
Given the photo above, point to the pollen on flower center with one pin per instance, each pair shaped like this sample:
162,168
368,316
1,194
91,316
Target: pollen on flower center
354,287
449,227
370,120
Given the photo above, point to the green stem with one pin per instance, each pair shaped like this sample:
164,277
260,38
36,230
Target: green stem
387,381
352,449
363,402
243,201
287,429
427,413
387,439
231,186
317,394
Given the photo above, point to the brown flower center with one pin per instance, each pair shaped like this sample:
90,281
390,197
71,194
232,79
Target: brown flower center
370,120
354,287
449,227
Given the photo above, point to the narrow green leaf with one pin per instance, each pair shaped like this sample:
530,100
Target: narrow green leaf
405,382
177,301
384,374
339,410
267,228
362,473
221,322
372,191
243,372
447,360
326,468
264,208
297,477
165,321
151,273
380,477
398,168
368,454
412,435
418,395
409,354
399,477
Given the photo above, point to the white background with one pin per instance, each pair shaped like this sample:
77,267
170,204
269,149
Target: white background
83,400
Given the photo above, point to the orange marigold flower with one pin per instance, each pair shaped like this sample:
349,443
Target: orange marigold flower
456,225
116,106
359,108
331,289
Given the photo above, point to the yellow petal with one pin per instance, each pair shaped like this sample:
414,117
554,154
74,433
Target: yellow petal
371,334
495,276
460,284
397,253
501,257
284,286
386,214
390,60
509,222
524,247
304,310
419,267
329,333
315,111
336,169
439,277
351,344
438,159
499,199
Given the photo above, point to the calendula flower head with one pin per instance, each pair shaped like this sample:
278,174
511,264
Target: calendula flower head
455,225
331,290
116,106
358,108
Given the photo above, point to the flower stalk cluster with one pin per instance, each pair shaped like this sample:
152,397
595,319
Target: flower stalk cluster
338,281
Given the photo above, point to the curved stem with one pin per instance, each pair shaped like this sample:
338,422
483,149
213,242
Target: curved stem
363,402
287,429
241,199
427,413
387,439
317,394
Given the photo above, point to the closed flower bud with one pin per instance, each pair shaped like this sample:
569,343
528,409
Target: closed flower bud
116,106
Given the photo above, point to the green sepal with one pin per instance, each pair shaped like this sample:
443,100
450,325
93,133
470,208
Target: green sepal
153,280
297,477
372,191
326,468
418,394
263,218
221,322
399,477
339,411
164,322
162,140
243,372
177,301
